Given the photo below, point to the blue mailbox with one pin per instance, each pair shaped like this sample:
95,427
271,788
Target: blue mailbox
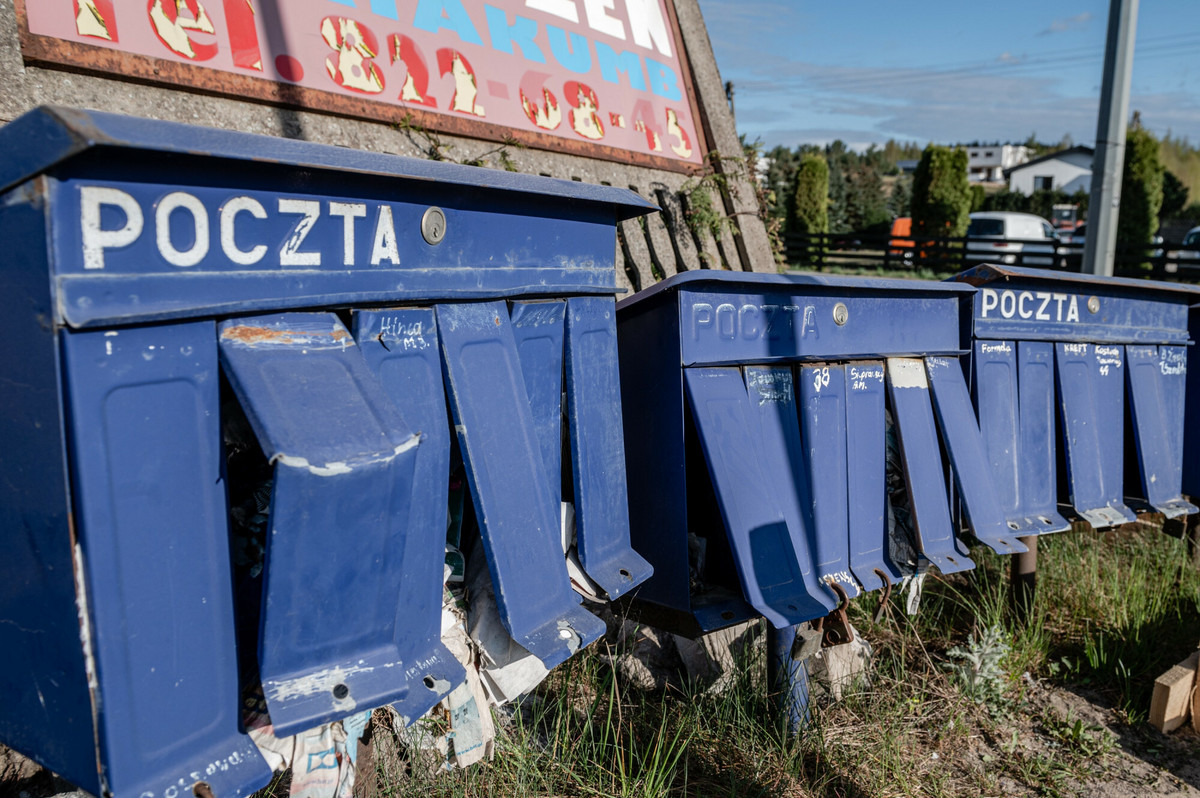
203,323
1191,423
1055,357
756,416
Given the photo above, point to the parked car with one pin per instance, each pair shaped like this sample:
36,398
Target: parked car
1188,256
1011,238
1075,239
1073,244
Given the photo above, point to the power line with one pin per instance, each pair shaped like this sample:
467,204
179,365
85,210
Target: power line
1178,44
885,72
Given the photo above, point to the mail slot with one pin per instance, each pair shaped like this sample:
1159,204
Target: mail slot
757,412
239,369
1079,382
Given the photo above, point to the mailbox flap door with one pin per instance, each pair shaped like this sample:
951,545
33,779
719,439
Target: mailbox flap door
154,538
598,448
866,478
519,521
994,371
1091,388
773,406
1037,475
759,538
968,461
1156,379
338,523
823,428
401,349
538,330
908,388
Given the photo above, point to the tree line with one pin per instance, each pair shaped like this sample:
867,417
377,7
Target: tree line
834,189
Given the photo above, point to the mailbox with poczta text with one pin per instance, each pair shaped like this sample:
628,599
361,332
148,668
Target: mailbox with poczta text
1056,357
758,412
240,368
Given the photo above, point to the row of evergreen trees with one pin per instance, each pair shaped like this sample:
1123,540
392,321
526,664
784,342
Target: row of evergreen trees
834,189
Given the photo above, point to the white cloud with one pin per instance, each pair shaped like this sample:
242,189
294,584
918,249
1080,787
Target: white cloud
1067,23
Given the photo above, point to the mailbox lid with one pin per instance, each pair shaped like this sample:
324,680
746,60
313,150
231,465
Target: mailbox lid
152,221
730,317
49,137
1048,305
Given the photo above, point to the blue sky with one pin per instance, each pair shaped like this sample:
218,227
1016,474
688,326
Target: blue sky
810,71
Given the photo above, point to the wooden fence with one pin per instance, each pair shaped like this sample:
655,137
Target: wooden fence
952,255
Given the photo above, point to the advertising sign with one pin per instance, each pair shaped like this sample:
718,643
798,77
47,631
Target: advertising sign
602,78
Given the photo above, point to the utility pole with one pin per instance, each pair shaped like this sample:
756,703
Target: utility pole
1105,202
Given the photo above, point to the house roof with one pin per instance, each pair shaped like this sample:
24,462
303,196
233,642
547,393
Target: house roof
1077,149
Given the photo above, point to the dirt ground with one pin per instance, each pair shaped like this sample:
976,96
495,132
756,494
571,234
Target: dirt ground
1142,762
1127,763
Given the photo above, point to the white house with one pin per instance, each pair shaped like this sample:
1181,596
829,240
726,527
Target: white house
987,164
1067,171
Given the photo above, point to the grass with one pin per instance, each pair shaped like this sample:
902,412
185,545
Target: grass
955,704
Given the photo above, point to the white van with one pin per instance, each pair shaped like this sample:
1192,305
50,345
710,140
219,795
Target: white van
1011,238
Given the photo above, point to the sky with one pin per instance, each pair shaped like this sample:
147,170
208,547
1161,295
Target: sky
811,71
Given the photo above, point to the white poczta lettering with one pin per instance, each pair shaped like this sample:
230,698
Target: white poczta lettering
702,314
1042,315
990,301
229,212
289,253
181,200
1073,309
96,239
349,211
1008,304
385,238
1059,299
1021,311
1029,305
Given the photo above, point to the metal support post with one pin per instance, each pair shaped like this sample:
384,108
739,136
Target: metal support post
1024,579
1107,165
787,678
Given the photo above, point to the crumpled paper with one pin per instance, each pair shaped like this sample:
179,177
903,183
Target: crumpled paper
322,759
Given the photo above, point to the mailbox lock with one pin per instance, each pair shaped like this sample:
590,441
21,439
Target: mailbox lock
840,314
1094,304
433,225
